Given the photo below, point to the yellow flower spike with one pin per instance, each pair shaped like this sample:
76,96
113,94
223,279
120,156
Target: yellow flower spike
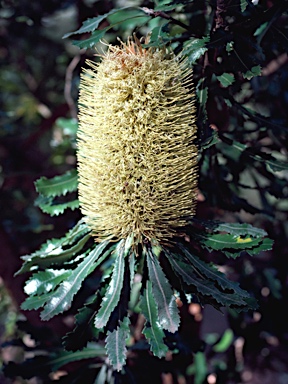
137,162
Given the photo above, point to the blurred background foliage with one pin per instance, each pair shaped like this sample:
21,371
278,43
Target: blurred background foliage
239,180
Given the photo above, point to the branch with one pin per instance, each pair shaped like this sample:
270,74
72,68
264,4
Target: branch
164,15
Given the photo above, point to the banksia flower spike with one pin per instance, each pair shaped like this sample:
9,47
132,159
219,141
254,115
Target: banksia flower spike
137,175
137,162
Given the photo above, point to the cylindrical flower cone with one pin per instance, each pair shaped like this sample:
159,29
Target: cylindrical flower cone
137,160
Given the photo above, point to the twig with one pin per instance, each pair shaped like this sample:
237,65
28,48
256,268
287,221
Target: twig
164,15
68,86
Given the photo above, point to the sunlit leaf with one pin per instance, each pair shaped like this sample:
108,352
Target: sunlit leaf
152,331
63,296
163,295
113,292
45,281
53,255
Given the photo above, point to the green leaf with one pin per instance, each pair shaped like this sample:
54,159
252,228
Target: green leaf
152,331
195,49
113,292
198,368
63,296
210,272
254,71
163,295
159,37
95,37
270,162
261,29
58,185
47,205
45,281
36,302
265,245
68,126
65,357
226,79
54,255
210,141
114,17
225,341
172,5
205,287
84,330
116,344
91,25
243,5
102,375
240,229
222,241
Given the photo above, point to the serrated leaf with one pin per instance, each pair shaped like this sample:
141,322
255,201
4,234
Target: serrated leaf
113,292
91,25
163,295
212,273
195,48
265,245
115,17
63,296
116,344
226,79
95,37
58,185
243,5
152,331
240,229
48,206
84,330
204,286
254,71
53,256
36,302
228,241
45,281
